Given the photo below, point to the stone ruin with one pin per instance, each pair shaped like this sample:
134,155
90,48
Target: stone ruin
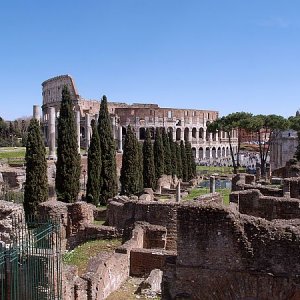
204,250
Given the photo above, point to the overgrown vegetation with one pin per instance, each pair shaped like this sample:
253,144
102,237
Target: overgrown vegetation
80,255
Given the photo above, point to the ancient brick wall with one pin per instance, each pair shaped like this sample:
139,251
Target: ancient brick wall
252,202
222,254
124,213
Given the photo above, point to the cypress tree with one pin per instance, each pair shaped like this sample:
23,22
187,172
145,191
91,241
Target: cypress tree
36,183
189,158
130,177
109,184
94,167
158,151
173,154
178,160
140,165
68,159
148,162
167,153
184,162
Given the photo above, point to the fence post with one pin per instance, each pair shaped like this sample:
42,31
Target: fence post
7,276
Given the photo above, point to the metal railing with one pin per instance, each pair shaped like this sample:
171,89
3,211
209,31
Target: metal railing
30,261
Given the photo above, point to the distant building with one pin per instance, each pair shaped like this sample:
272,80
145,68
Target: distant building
185,124
283,148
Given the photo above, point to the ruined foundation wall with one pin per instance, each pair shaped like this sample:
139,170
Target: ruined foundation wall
123,214
232,256
252,202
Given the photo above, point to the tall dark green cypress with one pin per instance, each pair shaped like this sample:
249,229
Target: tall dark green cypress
189,158
36,183
68,159
94,167
148,162
184,162
167,153
158,150
173,154
140,165
109,183
179,160
130,177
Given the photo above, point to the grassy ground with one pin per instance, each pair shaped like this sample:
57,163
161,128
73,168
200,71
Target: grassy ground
80,255
12,152
202,191
219,170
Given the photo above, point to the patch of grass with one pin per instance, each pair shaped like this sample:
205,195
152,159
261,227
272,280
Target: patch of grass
12,152
220,170
196,192
99,222
81,254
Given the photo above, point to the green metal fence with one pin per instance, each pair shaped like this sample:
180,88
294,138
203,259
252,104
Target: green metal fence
30,263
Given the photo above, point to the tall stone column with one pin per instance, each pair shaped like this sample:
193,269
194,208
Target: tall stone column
36,112
87,131
212,184
174,134
77,117
182,134
120,139
51,133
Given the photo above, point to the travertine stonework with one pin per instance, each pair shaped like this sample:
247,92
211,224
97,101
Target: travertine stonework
185,124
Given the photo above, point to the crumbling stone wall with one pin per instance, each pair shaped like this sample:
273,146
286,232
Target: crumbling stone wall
242,182
222,254
123,213
252,202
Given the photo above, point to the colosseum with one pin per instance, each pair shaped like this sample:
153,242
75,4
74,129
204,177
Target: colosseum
185,124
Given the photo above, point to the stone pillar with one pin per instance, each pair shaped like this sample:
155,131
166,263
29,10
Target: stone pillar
182,134
268,172
197,135
190,135
113,122
212,184
217,136
87,131
36,112
178,196
120,139
77,114
51,133
174,134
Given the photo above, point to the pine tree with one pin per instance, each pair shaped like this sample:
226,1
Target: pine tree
167,153
109,184
94,168
179,160
158,150
130,177
36,183
148,161
184,162
68,159
173,154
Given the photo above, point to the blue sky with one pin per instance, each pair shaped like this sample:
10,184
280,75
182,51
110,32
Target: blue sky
225,55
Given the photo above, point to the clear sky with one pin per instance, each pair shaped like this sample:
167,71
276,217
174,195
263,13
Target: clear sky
225,55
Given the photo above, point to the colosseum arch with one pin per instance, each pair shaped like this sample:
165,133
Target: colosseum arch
213,152
201,133
223,151
178,134
207,152
142,133
227,151
194,133
186,133
194,152
201,153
